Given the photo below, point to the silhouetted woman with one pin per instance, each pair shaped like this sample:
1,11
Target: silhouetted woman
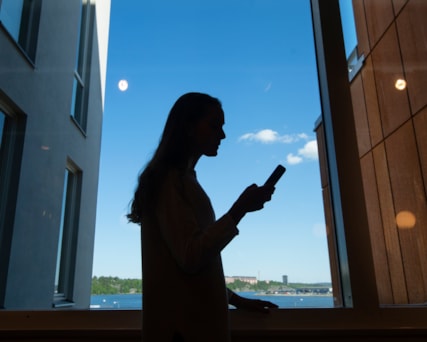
184,293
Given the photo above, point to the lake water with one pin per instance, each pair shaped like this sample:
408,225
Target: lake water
134,301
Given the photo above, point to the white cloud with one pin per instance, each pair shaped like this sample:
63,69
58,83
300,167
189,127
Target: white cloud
293,159
268,136
309,150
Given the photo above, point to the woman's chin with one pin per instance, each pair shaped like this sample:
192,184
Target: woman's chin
211,153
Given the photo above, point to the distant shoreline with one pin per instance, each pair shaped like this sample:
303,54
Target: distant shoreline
253,292
294,294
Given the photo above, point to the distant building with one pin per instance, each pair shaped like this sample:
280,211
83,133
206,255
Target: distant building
53,57
285,280
250,280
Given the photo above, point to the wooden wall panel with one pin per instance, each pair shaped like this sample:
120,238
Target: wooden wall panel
360,116
412,31
379,251
420,124
391,236
363,47
408,194
379,15
371,101
398,5
391,128
394,105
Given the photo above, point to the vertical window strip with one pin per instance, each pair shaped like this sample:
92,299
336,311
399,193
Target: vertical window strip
78,107
2,120
12,127
67,238
58,288
2,171
30,27
3,209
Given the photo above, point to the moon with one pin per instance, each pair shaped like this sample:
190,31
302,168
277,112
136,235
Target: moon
123,85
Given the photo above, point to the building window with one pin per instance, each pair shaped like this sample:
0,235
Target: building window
3,157
354,58
12,126
249,83
67,241
2,120
21,20
81,72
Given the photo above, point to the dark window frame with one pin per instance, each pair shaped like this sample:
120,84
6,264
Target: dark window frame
362,315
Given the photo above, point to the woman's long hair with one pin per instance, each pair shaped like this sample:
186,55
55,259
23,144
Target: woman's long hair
173,150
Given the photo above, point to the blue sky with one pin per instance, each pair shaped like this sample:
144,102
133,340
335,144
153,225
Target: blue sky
257,57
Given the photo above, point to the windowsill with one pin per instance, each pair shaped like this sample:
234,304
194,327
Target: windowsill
61,304
77,124
282,322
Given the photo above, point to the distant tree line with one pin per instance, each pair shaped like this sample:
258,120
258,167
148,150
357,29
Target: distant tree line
115,285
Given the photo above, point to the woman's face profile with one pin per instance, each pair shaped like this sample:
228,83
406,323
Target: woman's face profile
208,132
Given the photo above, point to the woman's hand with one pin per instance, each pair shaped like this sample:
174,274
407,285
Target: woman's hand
251,304
252,198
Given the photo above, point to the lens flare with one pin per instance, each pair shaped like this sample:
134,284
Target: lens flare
405,219
123,85
400,84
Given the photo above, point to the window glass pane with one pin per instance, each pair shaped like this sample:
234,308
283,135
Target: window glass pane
77,99
58,288
2,120
258,58
10,16
348,26
80,55
2,155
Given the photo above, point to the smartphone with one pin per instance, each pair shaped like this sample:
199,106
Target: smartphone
276,174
